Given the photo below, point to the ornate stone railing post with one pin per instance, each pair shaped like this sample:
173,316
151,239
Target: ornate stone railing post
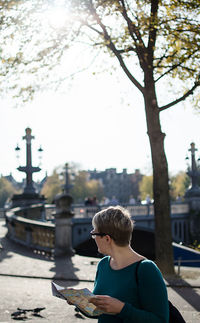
63,216
63,225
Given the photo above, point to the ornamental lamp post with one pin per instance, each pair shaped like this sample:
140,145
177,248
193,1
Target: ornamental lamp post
28,169
29,195
192,196
194,173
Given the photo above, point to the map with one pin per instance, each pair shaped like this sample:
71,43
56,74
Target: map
78,297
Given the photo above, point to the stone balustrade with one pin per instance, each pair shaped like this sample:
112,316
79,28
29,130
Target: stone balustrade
32,232
38,226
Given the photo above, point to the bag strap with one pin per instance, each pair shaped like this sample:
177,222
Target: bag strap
136,271
137,281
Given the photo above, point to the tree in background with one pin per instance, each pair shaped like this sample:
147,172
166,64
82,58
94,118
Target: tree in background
52,186
82,186
79,191
155,43
179,184
6,191
146,187
95,189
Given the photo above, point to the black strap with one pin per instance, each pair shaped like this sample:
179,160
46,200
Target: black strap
137,281
136,270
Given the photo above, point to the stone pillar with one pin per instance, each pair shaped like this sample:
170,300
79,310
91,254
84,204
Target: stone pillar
63,225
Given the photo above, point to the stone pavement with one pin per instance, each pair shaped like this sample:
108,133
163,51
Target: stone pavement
25,282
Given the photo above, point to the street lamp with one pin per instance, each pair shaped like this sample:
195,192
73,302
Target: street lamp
17,150
193,173
29,195
28,169
40,151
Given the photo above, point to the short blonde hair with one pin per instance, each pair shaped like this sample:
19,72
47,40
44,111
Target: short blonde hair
116,222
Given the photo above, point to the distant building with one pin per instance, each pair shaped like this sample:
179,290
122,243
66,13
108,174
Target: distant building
118,185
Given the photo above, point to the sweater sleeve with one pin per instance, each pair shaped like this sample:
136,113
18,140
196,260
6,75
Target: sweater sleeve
152,295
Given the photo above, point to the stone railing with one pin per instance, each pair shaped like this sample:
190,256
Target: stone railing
39,228
26,226
2,213
82,211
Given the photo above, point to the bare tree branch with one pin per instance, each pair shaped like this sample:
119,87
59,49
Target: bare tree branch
164,56
176,66
182,98
112,47
136,36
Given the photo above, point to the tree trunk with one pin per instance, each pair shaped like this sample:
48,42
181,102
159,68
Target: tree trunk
163,235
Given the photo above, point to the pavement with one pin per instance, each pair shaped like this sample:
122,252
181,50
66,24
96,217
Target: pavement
26,276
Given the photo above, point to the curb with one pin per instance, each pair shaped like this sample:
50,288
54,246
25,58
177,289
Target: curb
86,280
48,278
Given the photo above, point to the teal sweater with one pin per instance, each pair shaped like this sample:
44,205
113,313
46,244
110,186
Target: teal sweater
145,302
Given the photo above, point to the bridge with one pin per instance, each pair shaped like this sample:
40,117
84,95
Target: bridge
143,216
64,227
35,226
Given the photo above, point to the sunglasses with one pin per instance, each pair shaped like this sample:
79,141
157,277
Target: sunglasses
94,234
100,234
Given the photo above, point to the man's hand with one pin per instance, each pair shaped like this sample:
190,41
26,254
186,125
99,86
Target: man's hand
107,304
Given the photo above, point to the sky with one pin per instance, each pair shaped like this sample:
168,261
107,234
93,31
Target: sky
98,123
96,120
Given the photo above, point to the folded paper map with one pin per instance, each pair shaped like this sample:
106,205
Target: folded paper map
78,297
